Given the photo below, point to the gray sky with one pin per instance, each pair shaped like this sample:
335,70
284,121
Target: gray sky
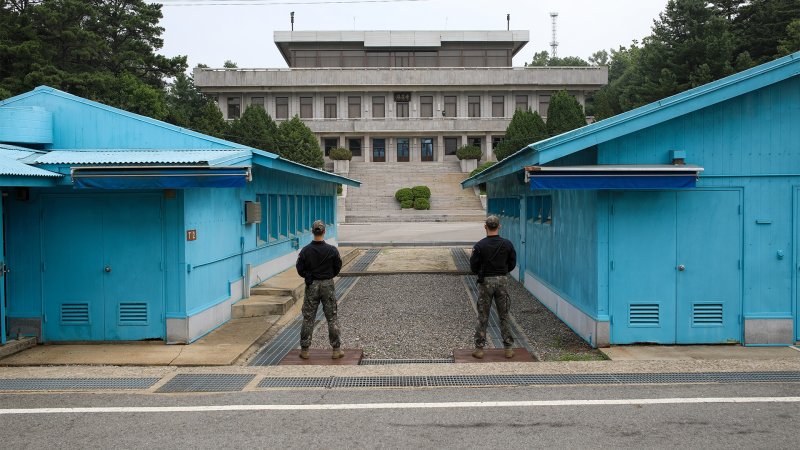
212,34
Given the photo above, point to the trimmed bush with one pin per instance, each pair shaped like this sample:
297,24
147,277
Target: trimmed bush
422,203
339,190
404,194
482,167
421,192
468,152
405,204
340,154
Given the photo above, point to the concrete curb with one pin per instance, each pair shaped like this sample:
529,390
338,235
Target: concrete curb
409,244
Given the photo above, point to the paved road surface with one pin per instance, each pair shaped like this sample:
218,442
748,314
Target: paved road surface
405,422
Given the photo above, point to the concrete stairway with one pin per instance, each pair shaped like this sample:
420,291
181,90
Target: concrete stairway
375,202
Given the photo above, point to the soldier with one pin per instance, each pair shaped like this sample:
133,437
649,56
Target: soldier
318,263
492,258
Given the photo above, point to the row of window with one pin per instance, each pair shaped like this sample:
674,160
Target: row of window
379,145
285,216
539,208
441,58
449,108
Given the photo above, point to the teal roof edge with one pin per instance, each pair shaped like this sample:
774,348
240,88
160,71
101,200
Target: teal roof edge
261,158
547,150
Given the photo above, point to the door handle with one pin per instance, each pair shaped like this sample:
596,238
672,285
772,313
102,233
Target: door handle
107,269
681,268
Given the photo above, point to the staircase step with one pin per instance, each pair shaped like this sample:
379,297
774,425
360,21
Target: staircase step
261,305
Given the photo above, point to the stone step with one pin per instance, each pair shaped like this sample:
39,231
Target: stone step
413,217
262,305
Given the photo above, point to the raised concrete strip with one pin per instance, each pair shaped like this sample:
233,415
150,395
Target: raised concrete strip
697,352
412,244
17,345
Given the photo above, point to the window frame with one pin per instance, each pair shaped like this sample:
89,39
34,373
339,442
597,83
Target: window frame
281,102
517,102
404,109
473,107
329,108
426,103
379,106
234,102
310,105
450,105
353,108
501,104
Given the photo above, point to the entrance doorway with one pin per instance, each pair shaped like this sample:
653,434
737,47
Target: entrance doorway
426,149
402,150
379,150
3,270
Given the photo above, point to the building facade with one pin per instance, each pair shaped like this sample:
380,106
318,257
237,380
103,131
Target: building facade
399,96
674,223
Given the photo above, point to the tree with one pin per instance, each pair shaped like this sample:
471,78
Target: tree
189,108
298,143
525,128
791,43
229,64
542,59
564,114
209,120
599,58
762,25
255,129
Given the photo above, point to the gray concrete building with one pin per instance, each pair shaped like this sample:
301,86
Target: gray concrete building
399,96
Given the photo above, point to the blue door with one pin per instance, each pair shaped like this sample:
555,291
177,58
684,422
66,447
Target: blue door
103,276
426,149
642,267
2,278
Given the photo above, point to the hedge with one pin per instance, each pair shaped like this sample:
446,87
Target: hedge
482,167
469,152
405,204
422,203
341,154
421,192
404,194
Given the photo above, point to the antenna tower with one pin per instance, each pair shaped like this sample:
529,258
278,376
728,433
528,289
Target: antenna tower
554,42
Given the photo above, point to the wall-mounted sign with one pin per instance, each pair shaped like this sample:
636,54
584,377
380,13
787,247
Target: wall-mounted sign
402,96
191,235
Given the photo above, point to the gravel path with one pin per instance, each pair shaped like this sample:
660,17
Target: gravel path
404,317
549,336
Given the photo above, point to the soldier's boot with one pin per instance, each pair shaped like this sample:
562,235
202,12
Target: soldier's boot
304,353
337,353
478,353
509,352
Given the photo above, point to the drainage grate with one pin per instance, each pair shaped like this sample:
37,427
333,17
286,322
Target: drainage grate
73,384
206,382
460,258
298,382
384,362
411,381
364,261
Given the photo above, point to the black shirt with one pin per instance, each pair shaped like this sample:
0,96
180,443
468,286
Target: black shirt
319,261
496,254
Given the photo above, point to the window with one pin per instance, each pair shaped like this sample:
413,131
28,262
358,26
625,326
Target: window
352,58
540,209
353,107
474,105
450,145
330,107
263,227
308,202
402,59
306,107
257,101
281,107
498,106
284,216
402,150
449,58
274,217
234,107
476,142
301,214
474,58
544,104
497,58
379,106
426,106
329,144
496,140
330,58
355,146
292,205
305,58
425,59
450,106
401,109
378,59
521,102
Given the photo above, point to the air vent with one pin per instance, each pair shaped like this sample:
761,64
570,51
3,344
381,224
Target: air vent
74,313
644,315
707,314
133,313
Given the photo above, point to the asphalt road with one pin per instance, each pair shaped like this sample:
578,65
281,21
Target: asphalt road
763,424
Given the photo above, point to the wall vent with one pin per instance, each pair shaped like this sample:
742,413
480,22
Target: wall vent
74,313
707,314
133,313
644,315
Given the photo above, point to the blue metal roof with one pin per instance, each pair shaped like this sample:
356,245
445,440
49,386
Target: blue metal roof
264,159
12,167
686,102
209,157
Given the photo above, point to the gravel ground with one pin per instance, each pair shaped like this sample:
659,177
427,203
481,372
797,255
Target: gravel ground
404,317
549,336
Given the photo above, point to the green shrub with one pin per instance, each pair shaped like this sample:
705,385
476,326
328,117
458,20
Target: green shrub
482,167
341,154
405,204
404,194
469,152
421,192
422,203
339,189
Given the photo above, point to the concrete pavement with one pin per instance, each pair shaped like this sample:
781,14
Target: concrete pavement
697,352
411,233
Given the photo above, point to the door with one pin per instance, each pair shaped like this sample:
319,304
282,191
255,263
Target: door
426,149
3,270
103,265
379,150
402,150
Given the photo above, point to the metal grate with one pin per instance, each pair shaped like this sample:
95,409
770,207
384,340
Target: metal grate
74,384
460,258
644,314
365,260
384,362
707,314
410,381
296,382
133,313
493,328
74,313
206,382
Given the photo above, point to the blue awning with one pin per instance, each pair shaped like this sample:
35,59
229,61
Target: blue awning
607,177
160,178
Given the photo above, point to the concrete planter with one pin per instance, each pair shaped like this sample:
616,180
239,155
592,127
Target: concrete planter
468,165
341,166
483,202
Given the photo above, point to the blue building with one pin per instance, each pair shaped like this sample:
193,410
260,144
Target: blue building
121,227
677,222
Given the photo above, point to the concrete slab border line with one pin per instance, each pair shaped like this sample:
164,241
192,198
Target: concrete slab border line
409,244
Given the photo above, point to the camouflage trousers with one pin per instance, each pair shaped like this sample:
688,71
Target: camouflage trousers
320,291
493,288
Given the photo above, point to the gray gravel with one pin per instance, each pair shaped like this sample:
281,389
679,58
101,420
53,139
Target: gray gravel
404,317
551,338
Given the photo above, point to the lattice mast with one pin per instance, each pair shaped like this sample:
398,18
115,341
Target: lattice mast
554,42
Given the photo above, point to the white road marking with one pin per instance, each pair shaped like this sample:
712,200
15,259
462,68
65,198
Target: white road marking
367,406
794,347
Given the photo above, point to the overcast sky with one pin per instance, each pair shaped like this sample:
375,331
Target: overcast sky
212,34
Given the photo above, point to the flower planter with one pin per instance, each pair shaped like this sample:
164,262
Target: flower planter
341,166
468,165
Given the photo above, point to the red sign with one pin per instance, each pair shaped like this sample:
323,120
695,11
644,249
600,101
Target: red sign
191,235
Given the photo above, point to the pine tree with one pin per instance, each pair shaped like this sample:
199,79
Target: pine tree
255,129
525,128
298,143
564,114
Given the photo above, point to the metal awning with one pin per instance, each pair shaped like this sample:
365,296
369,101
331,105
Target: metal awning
613,177
159,177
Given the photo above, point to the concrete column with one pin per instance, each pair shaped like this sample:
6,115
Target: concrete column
366,149
223,105
489,153
464,140
414,152
342,141
438,151
391,150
